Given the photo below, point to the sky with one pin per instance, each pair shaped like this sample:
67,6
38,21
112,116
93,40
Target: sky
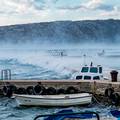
30,11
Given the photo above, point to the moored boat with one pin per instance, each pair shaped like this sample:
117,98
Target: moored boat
90,73
53,100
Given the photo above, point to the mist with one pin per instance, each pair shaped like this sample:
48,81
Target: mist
61,34
33,51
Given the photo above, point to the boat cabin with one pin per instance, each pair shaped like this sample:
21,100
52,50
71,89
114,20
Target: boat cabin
90,73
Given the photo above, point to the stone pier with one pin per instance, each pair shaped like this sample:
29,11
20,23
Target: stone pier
96,86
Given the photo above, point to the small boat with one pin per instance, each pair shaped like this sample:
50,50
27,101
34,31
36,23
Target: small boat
90,73
110,54
69,114
53,100
101,53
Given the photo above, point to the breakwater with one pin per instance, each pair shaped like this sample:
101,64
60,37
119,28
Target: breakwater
97,87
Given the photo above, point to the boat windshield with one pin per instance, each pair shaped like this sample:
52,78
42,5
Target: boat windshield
94,70
84,69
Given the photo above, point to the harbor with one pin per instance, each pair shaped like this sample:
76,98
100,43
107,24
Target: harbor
90,79
60,77
59,60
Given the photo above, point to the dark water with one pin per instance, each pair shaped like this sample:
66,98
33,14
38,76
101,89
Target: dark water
10,111
41,64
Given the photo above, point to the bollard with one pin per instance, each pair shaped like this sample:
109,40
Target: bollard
114,74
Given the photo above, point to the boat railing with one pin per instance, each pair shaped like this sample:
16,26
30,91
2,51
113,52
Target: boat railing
68,114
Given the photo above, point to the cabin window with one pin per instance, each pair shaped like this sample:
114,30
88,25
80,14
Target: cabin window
94,70
84,69
100,69
87,77
79,77
96,78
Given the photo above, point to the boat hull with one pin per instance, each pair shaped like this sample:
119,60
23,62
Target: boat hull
53,100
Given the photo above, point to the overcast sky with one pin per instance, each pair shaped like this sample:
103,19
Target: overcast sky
28,11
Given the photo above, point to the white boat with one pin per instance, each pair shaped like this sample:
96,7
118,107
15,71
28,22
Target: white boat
53,100
90,73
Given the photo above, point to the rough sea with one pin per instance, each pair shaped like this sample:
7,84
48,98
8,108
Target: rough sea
52,64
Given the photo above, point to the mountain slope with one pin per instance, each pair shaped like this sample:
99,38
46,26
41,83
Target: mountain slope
98,31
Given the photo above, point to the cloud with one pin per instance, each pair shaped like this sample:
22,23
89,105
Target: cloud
33,6
22,11
93,4
72,7
14,6
88,5
115,13
44,4
98,5
105,7
22,6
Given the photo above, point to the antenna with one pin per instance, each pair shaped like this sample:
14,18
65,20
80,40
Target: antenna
91,64
84,59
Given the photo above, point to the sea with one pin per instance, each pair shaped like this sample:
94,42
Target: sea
53,64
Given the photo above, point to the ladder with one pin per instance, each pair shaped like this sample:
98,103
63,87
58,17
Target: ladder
6,74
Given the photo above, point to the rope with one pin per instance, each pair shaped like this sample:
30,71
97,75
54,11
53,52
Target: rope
97,101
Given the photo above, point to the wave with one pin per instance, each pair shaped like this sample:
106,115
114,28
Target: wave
42,65
25,69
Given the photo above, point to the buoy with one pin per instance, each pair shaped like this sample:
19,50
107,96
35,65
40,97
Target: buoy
51,91
30,90
71,90
4,89
115,99
9,90
109,92
38,89
44,91
60,91
21,90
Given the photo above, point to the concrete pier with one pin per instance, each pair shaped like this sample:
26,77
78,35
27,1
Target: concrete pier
93,86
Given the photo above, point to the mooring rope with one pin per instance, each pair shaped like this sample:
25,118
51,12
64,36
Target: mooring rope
97,101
